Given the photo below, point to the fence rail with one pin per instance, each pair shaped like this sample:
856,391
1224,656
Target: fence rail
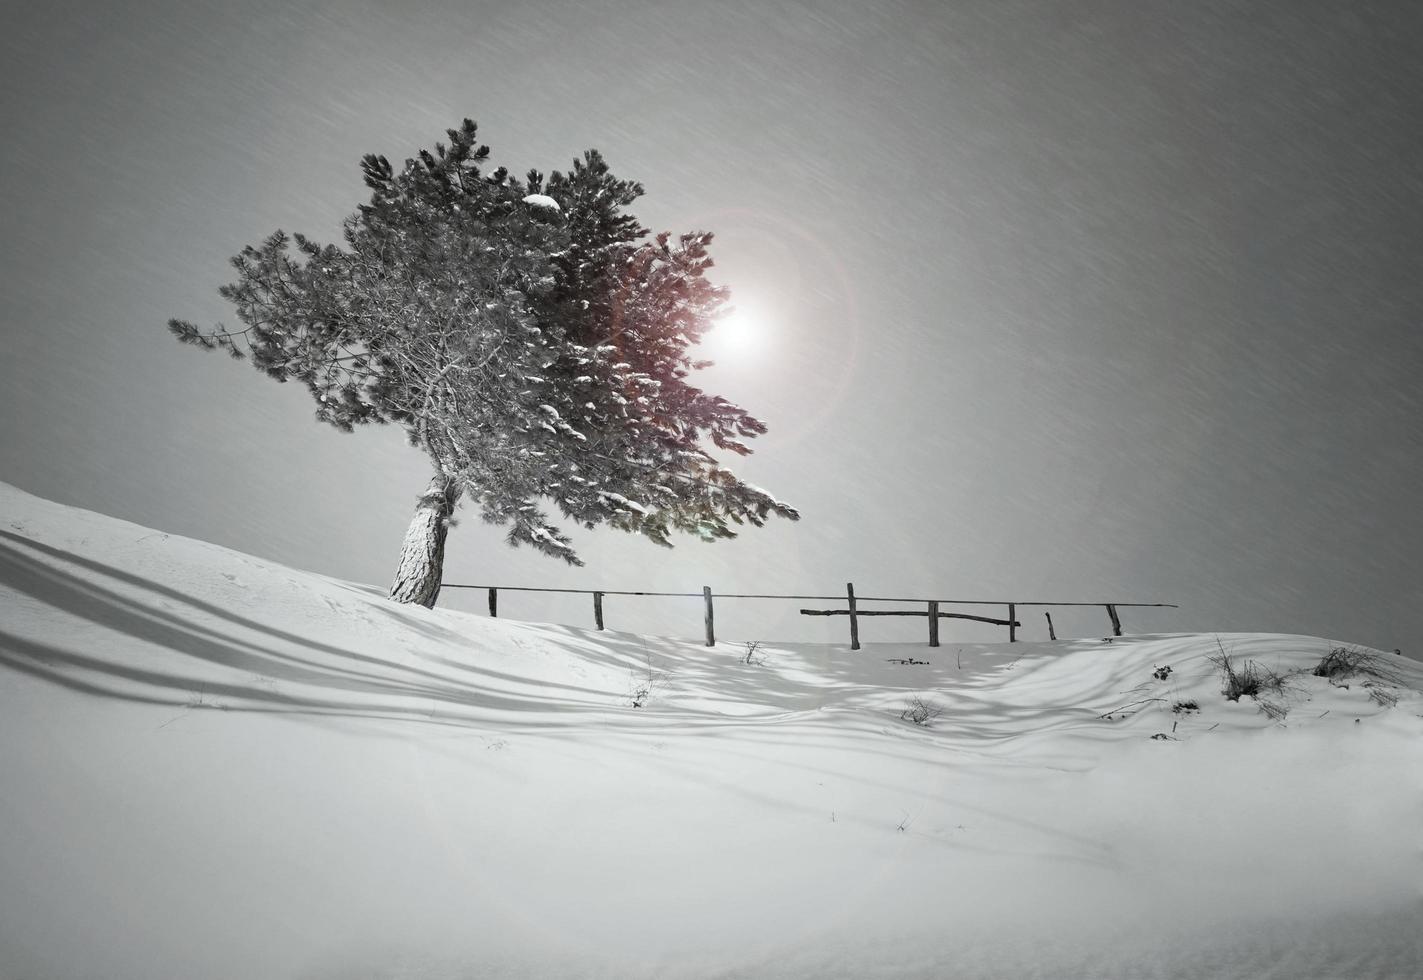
930,611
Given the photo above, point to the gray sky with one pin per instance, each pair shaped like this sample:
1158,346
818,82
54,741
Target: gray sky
1063,300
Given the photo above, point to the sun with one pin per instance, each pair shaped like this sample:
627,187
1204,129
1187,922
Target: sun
742,331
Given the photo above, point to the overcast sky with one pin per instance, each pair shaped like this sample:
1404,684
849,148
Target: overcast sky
1063,301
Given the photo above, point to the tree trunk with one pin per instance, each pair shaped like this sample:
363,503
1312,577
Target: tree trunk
422,556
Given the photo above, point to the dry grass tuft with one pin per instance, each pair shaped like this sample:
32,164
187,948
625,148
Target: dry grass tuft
1252,679
1343,663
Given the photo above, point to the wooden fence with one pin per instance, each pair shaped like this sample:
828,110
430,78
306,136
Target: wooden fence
931,610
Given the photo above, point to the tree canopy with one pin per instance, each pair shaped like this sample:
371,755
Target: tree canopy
527,334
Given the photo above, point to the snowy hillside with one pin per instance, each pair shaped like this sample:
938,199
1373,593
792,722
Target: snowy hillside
215,766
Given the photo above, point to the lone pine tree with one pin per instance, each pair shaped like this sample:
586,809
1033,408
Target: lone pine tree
528,336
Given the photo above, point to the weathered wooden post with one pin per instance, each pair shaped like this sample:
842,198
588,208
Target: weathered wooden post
854,617
1050,634
494,602
1116,623
598,609
711,632
933,623
1012,622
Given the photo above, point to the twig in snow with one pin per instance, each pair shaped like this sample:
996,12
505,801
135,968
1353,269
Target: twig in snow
1123,709
198,700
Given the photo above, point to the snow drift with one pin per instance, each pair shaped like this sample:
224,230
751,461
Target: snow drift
215,766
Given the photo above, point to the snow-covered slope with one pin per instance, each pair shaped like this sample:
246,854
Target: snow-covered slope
214,766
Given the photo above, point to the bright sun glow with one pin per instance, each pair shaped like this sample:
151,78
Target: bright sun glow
741,331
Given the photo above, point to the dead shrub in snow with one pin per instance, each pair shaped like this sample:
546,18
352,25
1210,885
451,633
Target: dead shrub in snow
642,685
753,657
1342,663
920,712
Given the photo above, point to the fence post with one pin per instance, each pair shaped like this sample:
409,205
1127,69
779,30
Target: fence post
854,617
1116,623
1012,622
494,602
933,623
1051,635
598,609
711,632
